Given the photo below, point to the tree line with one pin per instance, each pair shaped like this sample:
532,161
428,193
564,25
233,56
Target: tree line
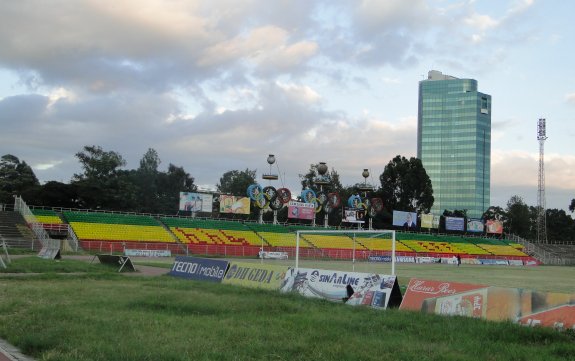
103,184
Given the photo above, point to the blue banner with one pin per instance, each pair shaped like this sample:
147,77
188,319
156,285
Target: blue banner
200,269
454,223
379,258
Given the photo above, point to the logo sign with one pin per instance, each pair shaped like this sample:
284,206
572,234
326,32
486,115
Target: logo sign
255,275
379,258
148,252
200,269
300,210
375,290
195,202
354,215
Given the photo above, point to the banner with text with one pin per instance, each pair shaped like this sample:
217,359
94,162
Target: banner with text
523,306
454,223
370,289
475,225
407,220
300,210
255,275
201,269
235,205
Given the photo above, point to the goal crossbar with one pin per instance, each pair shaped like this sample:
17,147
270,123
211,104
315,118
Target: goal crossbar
348,233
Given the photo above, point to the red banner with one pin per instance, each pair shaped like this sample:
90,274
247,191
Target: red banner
301,210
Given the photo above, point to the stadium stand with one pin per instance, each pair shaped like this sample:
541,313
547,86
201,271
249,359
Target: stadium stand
117,227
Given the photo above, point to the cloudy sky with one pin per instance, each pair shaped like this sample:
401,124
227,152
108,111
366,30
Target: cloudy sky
218,85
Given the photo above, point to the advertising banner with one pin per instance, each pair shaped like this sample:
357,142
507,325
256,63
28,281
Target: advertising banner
235,205
272,255
494,226
200,269
454,223
370,289
195,202
407,220
354,215
429,221
379,258
255,275
475,225
300,210
523,306
148,252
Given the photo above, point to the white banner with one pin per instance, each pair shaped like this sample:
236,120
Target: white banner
147,253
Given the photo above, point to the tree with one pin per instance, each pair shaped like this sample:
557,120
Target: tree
518,220
98,164
572,205
560,226
331,177
236,182
100,186
146,179
494,213
406,186
15,178
170,184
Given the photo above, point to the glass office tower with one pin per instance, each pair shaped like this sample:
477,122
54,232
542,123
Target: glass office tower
454,142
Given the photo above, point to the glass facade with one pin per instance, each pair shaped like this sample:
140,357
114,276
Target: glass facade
454,142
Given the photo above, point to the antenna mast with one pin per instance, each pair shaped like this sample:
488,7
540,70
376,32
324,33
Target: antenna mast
541,208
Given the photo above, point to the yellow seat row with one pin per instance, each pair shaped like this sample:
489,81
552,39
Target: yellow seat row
242,237
329,241
434,247
121,232
276,239
379,244
49,219
500,250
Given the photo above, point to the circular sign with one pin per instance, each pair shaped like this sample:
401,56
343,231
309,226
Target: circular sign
284,195
276,204
270,193
333,200
354,201
307,195
377,204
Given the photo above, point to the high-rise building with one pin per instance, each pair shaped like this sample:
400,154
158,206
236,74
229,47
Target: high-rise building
454,142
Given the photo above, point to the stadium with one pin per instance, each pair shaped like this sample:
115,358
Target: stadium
60,307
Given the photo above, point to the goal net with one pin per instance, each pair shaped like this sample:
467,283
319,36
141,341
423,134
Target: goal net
353,245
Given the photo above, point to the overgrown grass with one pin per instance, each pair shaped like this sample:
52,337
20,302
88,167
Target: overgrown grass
166,318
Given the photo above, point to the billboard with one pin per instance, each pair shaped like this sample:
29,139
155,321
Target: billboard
354,215
407,220
300,210
370,289
234,205
454,223
255,275
475,225
494,226
523,306
430,221
195,202
200,269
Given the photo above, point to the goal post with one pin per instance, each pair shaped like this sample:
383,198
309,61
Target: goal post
353,236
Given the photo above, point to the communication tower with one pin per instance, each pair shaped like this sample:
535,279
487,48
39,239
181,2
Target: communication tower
541,208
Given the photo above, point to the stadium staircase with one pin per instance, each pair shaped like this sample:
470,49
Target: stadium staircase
15,231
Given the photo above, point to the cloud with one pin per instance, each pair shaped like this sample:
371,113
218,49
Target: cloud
570,98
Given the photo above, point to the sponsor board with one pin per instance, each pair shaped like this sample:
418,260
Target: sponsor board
255,275
379,258
201,269
470,261
407,220
499,262
475,225
427,260
195,202
430,221
272,255
454,223
300,210
523,306
148,253
234,205
493,226
405,259
370,289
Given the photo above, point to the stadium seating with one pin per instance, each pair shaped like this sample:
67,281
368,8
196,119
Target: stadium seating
117,227
47,216
502,250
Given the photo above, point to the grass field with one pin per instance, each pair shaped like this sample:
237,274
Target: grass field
93,313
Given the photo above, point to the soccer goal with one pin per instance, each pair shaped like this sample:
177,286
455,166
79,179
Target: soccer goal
364,243
4,256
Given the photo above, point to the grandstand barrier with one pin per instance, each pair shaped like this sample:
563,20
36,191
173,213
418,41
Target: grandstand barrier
523,306
124,262
255,275
200,269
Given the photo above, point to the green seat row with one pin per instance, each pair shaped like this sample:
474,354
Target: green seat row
110,218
